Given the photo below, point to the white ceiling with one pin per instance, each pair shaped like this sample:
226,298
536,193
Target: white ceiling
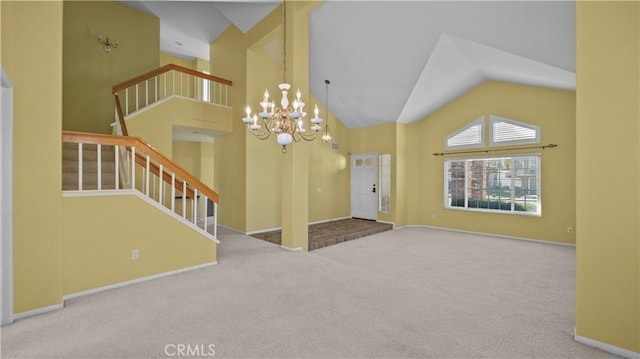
398,61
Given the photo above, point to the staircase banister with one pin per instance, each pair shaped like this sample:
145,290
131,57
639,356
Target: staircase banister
166,68
137,142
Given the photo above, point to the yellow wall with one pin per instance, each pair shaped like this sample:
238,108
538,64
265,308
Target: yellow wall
206,164
187,156
32,58
329,171
89,73
552,110
97,244
155,124
608,173
399,182
229,59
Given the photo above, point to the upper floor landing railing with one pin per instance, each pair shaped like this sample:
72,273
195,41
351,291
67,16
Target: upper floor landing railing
166,81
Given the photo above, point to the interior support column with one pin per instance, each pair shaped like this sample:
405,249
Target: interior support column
295,163
295,197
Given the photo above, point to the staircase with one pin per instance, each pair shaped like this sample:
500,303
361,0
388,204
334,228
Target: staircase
90,164
98,165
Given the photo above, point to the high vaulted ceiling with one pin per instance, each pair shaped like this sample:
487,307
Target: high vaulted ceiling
397,61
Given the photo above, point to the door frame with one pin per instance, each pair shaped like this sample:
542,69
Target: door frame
377,185
6,199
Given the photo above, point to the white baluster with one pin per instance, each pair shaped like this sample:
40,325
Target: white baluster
215,219
99,167
184,199
79,166
137,98
164,84
133,167
173,192
146,190
174,82
226,95
188,84
160,195
213,92
181,84
117,161
206,203
126,101
156,88
146,92
195,206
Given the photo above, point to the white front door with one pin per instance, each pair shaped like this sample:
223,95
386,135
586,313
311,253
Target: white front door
364,183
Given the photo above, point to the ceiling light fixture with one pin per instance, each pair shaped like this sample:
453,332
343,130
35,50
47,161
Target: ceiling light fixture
286,122
107,44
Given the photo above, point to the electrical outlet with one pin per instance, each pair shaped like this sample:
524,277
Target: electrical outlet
569,230
319,189
135,254
433,216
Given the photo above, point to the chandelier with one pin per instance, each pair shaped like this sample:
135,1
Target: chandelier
287,121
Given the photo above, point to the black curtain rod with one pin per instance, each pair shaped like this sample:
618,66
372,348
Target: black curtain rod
551,145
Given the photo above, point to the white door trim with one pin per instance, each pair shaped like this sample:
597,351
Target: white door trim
6,199
374,208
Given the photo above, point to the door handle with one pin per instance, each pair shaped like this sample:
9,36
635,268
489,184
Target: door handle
374,188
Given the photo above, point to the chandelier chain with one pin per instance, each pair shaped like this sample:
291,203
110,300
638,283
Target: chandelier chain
284,42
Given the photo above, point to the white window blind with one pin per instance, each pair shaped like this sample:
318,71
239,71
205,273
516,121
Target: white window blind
504,132
470,136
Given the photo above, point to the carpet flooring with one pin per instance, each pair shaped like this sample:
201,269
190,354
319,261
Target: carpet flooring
406,293
334,232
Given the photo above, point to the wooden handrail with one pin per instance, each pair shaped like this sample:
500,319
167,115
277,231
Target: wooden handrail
166,68
123,124
94,138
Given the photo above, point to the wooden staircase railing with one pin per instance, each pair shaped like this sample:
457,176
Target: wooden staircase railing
148,171
163,82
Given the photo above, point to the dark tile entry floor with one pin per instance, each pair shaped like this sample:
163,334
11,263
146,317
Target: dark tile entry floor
334,232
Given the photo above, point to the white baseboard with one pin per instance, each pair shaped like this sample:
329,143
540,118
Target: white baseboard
231,228
488,234
263,230
605,347
135,281
297,249
30,313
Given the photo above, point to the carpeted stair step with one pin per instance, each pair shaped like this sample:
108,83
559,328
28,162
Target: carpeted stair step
89,167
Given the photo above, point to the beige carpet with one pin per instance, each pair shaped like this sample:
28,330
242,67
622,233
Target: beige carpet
329,233
407,293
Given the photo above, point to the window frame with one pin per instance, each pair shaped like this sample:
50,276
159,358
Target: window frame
447,205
